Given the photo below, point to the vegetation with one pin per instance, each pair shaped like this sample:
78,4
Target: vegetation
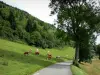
77,71
87,69
91,69
13,61
17,25
80,20
98,50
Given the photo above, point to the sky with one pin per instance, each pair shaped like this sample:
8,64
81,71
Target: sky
37,8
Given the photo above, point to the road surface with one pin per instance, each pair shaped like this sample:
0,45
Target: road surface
62,68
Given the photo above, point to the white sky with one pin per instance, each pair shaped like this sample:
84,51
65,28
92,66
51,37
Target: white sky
37,8
98,40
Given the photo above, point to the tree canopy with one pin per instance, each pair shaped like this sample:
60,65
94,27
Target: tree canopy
80,20
98,50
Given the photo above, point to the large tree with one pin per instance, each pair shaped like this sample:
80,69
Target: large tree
12,20
79,19
98,50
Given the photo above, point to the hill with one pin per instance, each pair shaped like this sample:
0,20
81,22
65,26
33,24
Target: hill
14,62
18,25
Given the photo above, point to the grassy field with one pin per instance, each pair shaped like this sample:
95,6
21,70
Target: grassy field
92,69
13,61
87,69
77,71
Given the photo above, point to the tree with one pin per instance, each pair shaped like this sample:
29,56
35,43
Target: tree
5,30
77,18
35,37
4,13
98,50
29,26
12,20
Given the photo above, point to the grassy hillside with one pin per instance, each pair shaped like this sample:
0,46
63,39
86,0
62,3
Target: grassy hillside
13,61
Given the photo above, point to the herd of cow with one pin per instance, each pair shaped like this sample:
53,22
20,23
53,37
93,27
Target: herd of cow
49,56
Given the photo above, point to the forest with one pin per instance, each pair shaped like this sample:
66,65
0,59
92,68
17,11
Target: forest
19,26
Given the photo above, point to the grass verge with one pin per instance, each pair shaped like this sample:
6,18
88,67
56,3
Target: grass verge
77,71
92,69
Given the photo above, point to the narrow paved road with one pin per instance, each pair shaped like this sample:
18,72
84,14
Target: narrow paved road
56,69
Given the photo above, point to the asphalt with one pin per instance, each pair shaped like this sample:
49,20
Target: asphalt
62,68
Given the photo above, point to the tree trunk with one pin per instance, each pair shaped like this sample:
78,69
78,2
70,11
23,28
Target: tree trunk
75,62
77,52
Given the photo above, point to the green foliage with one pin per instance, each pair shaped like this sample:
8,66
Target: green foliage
35,37
18,25
80,20
12,20
5,30
86,47
29,26
4,13
98,50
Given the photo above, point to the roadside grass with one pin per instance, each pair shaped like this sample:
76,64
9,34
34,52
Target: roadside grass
92,69
87,68
13,61
77,71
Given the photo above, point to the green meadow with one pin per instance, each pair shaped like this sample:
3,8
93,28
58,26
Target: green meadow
14,62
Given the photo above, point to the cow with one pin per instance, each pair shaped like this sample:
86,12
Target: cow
37,52
27,53
49,56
